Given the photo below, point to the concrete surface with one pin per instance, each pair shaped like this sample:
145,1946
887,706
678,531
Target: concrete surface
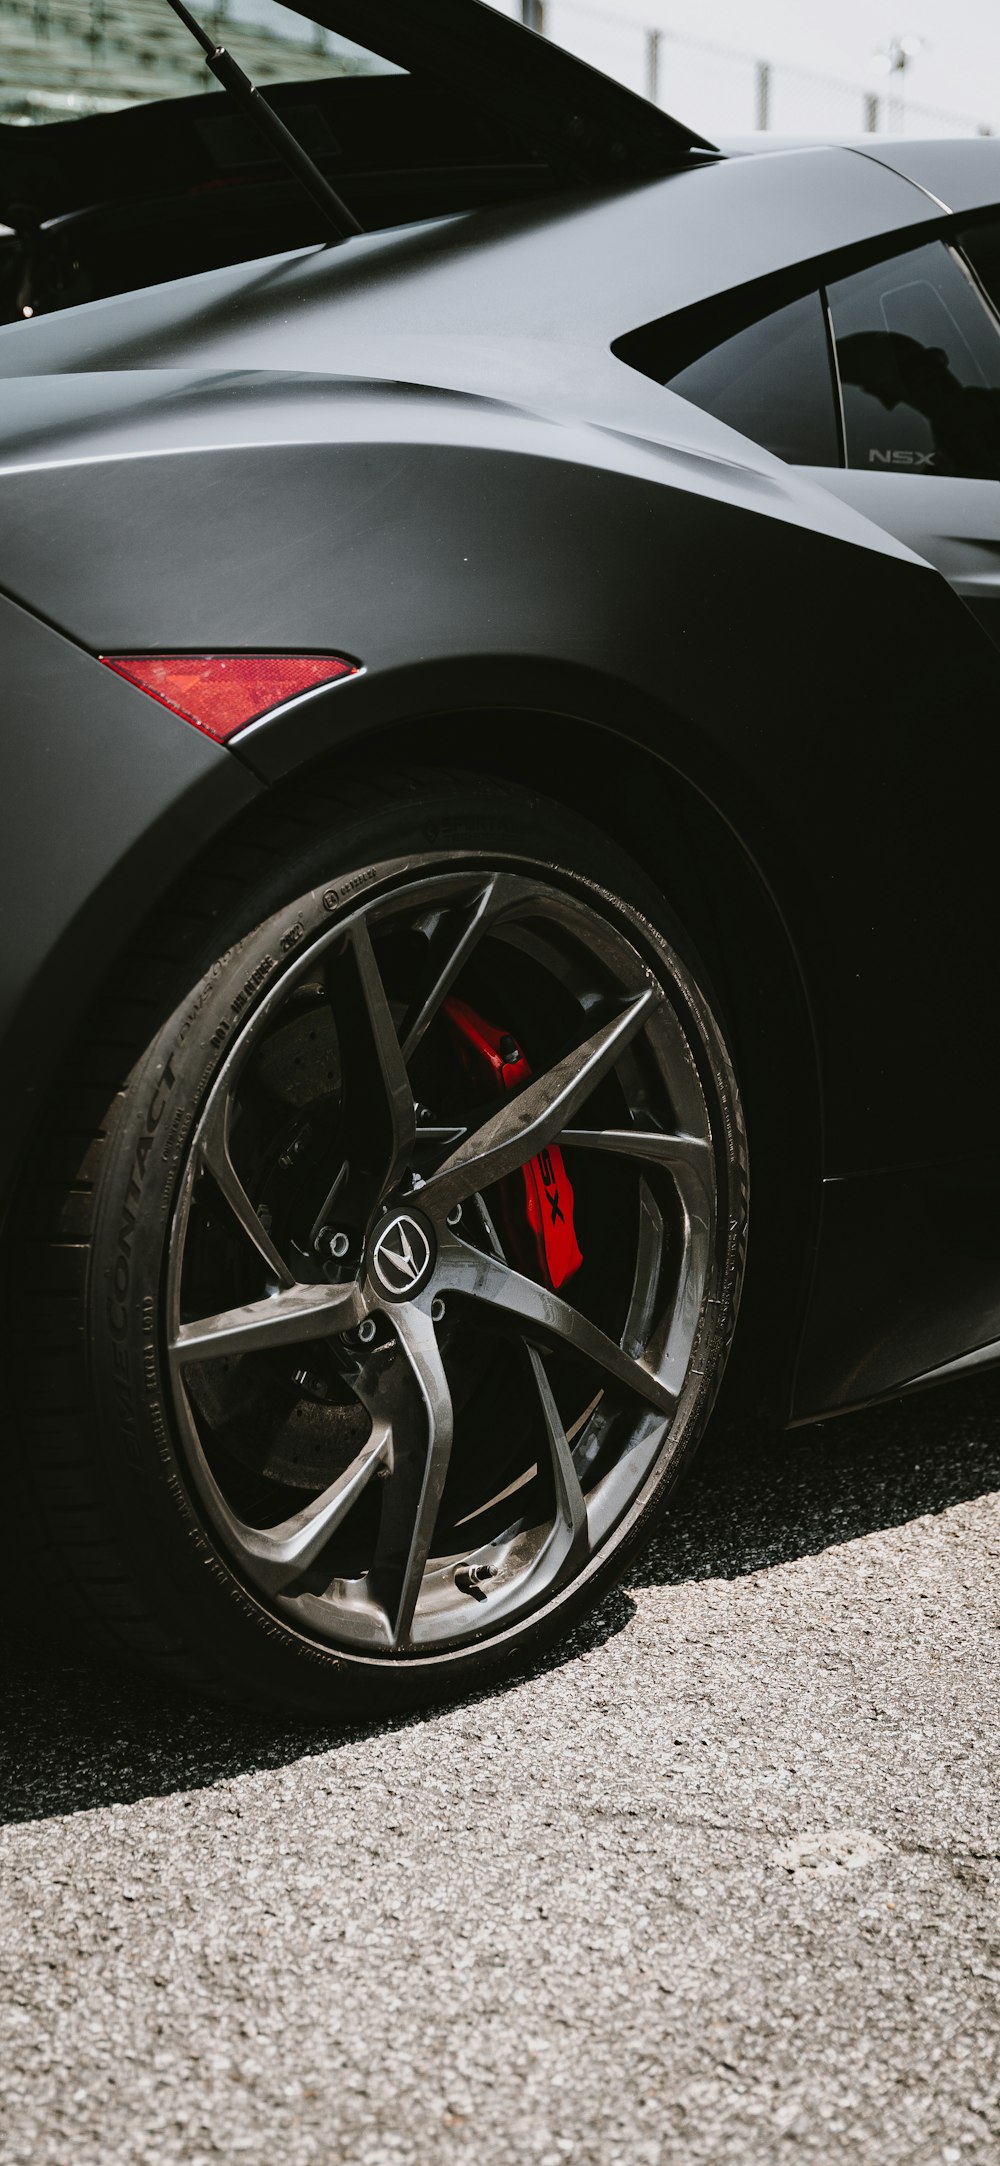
720,1883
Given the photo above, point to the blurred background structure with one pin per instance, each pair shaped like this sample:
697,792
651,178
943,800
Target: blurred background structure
60,58
854,67
789,67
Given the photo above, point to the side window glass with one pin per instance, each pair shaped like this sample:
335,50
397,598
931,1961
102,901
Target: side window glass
774,383
982,246
919,360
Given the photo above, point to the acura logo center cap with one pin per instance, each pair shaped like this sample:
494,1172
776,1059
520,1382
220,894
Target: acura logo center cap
402,1257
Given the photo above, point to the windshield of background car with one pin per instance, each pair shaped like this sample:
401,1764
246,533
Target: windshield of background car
72,58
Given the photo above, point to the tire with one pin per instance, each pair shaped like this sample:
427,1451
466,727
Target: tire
340,1383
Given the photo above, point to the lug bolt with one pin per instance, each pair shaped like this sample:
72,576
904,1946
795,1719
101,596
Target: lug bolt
455,1215
366,1330
437,1309
338,1244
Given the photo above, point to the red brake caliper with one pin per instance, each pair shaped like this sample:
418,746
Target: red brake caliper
538,1199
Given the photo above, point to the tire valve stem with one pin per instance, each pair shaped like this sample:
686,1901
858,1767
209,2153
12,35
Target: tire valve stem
469,1578
334,1240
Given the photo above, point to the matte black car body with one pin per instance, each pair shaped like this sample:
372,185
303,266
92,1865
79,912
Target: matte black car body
420,449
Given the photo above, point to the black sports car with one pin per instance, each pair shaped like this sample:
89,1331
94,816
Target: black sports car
503,723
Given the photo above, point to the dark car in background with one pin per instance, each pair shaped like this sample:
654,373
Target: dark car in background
501,763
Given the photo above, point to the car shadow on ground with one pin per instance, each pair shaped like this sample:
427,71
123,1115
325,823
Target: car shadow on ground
758,1497
78,1737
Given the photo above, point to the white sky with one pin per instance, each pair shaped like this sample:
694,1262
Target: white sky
957,70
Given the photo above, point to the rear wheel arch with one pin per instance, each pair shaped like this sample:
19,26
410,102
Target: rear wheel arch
706,871
710,877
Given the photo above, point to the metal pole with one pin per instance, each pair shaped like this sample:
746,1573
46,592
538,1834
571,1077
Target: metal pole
653,66
869,120
763,75
533,15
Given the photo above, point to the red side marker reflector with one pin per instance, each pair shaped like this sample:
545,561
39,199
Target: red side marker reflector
221,693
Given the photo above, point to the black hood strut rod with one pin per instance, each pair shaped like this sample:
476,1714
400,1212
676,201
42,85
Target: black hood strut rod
227,71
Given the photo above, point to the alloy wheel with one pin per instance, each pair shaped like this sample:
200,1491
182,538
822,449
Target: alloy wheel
444,1253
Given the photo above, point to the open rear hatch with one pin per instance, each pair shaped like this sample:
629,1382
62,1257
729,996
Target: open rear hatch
481,111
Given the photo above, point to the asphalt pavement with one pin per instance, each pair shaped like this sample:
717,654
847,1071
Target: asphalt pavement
720,1882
